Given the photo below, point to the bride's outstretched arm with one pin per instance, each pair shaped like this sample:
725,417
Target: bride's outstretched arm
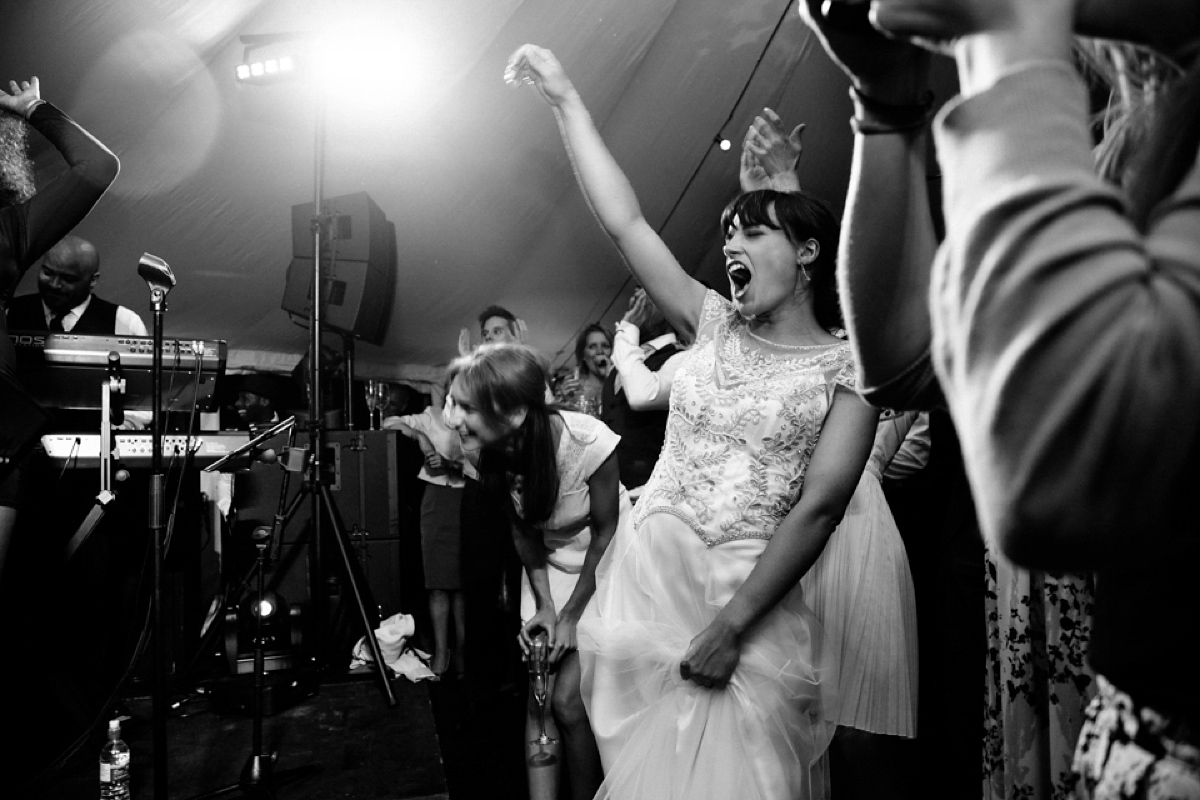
837,464
608,192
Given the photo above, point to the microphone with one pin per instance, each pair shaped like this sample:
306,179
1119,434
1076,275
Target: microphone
116,389
156,272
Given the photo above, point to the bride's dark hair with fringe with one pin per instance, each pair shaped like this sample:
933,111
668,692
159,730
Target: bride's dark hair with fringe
801,216
500,379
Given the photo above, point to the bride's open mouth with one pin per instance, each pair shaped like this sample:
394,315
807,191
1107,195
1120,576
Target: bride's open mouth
739,277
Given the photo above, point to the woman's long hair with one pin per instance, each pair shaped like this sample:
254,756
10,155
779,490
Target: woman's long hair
1170,148
500,379
16,170
1151,122
801,217
581,346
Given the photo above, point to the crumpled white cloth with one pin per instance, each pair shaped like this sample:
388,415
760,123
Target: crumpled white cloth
392,635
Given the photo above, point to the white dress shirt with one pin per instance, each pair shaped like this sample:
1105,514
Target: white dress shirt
128,322
644,389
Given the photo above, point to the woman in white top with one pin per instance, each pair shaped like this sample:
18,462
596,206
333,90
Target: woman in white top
441,536
559,470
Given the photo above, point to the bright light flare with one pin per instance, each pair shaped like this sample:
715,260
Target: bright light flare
264,70
361,68
356,68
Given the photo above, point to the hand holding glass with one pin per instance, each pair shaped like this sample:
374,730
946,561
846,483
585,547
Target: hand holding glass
539,677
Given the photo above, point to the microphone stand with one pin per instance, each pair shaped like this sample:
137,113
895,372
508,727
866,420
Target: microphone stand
160,280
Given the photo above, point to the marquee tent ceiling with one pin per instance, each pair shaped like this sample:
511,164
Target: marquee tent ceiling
470,171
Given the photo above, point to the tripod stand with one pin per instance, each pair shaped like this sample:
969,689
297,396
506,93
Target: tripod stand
259,778
316,489
316,486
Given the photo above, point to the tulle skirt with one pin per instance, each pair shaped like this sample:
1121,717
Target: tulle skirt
763,736
861,590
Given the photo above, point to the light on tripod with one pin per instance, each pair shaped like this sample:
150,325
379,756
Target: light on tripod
282,635
266,607
269,609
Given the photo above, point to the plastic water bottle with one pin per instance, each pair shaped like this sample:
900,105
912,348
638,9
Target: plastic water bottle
114,765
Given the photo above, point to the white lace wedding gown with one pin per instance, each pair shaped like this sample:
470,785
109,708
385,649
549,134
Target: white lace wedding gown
745,417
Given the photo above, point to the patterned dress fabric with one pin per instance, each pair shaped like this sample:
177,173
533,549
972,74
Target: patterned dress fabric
744,420
1038,683
1129,751
861,589
584,445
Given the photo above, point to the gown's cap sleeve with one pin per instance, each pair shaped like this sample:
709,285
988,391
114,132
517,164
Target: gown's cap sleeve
715,309
845,369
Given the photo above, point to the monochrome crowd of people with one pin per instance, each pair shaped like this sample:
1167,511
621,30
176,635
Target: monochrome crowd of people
902,509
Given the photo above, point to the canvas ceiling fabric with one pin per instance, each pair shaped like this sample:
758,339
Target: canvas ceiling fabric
470,171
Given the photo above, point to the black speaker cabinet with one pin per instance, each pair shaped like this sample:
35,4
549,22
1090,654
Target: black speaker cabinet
360,284
366,492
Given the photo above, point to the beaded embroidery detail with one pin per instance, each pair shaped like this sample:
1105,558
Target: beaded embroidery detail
743,425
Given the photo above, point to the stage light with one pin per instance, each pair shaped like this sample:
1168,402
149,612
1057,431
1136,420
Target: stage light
266,607
356,66
268,69
282,637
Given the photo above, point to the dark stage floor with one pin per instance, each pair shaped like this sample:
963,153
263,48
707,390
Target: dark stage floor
434,744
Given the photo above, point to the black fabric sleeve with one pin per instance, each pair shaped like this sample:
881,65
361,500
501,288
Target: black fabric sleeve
63,203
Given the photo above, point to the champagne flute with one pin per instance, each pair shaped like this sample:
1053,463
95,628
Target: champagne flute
539,676
374,395
383,395
369,396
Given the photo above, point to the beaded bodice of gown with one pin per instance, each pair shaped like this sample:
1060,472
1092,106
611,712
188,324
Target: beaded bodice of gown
745,417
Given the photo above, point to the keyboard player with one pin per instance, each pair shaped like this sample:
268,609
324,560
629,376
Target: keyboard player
65,302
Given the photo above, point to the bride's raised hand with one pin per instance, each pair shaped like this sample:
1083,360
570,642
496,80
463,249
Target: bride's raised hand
538,66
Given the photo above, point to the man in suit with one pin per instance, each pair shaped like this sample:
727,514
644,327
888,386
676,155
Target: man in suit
65,302
636,393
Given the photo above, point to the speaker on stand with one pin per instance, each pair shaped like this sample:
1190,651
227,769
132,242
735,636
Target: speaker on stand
361,279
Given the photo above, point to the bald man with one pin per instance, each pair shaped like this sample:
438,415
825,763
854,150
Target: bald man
64,300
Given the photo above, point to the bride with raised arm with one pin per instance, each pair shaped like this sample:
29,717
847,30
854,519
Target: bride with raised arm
702,670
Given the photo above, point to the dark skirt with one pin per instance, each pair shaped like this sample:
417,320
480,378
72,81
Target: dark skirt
441,537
